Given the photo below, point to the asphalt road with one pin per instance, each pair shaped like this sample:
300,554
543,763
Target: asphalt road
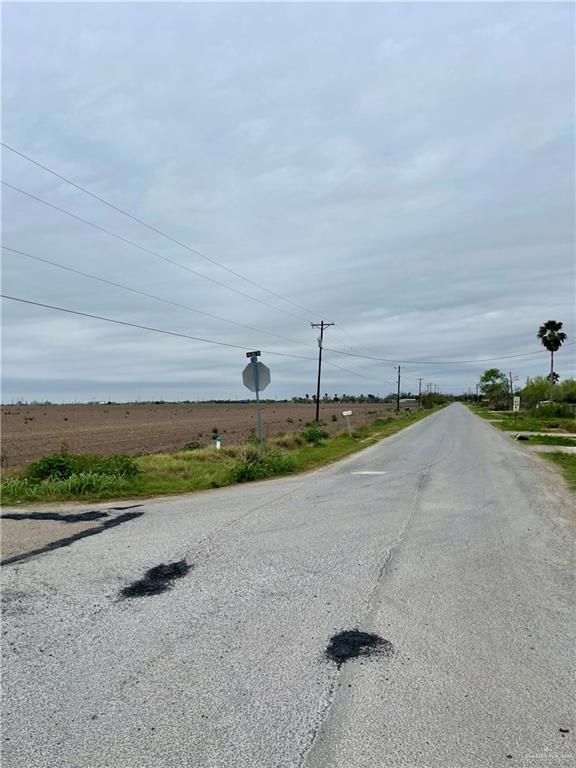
459,553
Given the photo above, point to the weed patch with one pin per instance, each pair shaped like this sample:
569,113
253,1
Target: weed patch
257,465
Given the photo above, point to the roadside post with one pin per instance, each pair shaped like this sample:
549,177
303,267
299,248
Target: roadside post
256,377
516,406
347,415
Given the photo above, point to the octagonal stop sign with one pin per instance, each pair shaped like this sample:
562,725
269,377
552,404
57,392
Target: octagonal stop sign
249,376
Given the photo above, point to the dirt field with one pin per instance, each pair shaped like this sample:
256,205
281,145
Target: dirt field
31,431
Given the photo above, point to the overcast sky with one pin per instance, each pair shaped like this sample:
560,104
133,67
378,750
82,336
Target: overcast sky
403,170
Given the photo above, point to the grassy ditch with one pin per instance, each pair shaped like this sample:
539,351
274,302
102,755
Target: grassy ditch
567,463
88,477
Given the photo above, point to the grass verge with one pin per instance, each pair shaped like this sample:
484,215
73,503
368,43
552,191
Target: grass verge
194,470
552,440
567,463
525,422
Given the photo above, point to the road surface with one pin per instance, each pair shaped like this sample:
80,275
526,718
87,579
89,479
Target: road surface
456,548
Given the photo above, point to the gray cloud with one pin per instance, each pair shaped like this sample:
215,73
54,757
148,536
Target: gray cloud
406,170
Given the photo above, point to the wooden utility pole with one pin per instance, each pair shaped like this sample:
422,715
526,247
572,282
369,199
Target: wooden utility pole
322,325
398,392
419,393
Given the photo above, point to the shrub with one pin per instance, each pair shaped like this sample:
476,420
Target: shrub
334,417
290,420
83,484
252,437
63,465
314,435
257,465
382,421
566,391
193,445
552,410
288,441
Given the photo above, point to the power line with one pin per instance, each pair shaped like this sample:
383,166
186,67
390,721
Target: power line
152,228
148,250
163,234
147,327
168,333
342,330
145,293
354,373
437,362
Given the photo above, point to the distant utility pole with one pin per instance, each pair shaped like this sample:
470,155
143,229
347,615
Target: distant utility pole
511,392
419,393
322,325
398,392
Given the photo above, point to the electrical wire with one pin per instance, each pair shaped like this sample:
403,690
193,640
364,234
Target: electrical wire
147,327
152,228
148,250
145,293
169,333
437,362
164,234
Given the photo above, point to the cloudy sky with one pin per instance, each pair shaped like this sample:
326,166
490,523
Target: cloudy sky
405,171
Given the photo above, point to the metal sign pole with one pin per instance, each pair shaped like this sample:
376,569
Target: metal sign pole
254,361
256,377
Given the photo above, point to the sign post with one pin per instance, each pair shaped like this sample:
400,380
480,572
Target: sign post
256,377
516,406
347,414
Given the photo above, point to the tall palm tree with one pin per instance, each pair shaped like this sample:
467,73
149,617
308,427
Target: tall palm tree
552,337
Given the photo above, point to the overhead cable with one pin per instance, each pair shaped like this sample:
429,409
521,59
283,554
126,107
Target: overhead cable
153,228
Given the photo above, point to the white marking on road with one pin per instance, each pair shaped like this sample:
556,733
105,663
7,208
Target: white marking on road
369,472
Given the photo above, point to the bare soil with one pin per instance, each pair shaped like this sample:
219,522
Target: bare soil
32,431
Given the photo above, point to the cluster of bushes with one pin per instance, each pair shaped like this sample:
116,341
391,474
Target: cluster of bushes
313,435
552,410
432,399
65,475
64,465
257,465
539,388
84,484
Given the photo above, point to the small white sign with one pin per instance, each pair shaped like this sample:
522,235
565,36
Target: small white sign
346,413
516,405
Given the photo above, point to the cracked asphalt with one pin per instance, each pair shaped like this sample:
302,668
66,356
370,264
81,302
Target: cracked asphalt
459,554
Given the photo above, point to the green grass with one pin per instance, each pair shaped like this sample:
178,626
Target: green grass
552,440
567,463
196,470
526,422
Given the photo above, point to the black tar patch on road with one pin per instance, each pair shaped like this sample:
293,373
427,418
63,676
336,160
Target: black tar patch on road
157,579
352,643
110,523
81,517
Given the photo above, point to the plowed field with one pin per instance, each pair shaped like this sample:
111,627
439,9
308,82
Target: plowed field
31,431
